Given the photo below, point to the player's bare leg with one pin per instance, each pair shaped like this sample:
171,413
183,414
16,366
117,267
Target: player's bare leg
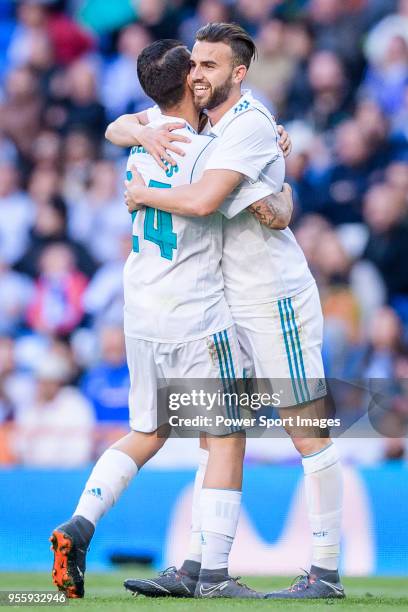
324,491
109,478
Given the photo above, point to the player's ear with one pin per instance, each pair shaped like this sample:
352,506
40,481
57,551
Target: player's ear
239,73
188,89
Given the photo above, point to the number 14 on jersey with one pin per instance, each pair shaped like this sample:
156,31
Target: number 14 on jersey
158,227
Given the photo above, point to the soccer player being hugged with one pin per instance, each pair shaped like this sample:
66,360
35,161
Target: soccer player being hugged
269,288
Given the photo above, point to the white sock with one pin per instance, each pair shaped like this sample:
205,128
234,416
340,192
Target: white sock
324,496
219,520
194,551
109,478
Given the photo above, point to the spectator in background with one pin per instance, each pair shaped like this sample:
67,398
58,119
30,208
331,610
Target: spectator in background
252,14
392,26
79,153
46,151
50,226
349,176
103,298
305,181
396,176
106,385
338,27
42,61
31,23
386,82
16,214
341,310
330,90
8,406
385,212
99,219
8,151
44,184
374,129
384,344
55,429
16,292
159,17
379,370
276,67
7,366
76,105
20,112
16,384
121,90
320,92
208,11
299,44
56,306
67,39
400,403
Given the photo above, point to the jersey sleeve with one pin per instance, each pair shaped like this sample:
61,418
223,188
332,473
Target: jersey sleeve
247,145
243,196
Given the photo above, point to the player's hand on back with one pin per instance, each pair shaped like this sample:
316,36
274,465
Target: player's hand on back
285,142
159,141
134,191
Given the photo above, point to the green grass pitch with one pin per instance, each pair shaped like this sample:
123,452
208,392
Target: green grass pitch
105,592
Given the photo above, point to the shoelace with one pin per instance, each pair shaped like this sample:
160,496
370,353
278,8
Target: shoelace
169,570
241,584
300,582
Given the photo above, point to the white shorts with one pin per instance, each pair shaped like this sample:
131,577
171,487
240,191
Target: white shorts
282,341
216,356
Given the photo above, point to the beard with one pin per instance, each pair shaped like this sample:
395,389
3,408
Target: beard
218,96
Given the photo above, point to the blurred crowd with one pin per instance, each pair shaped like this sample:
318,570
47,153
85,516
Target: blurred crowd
334,72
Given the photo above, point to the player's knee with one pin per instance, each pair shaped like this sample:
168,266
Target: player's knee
308,446
228,448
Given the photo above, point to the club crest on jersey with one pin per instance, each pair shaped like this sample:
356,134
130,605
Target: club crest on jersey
244,105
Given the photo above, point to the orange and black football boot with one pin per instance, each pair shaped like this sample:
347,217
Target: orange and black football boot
70,542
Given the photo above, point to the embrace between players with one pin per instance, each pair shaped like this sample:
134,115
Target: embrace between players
216,287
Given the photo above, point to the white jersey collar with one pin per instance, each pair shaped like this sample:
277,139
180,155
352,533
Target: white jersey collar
243,104
169,118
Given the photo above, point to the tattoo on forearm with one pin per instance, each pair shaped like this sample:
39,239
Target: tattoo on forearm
265,214
272,212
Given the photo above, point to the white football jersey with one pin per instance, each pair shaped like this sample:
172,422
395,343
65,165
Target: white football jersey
259,265
172,278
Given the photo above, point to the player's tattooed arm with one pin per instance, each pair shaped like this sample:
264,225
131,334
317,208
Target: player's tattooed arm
130,130
274,211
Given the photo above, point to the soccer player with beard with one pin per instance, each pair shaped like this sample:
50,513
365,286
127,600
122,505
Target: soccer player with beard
269,288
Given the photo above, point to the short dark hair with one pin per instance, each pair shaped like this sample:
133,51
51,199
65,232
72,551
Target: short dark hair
242,46
162,68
